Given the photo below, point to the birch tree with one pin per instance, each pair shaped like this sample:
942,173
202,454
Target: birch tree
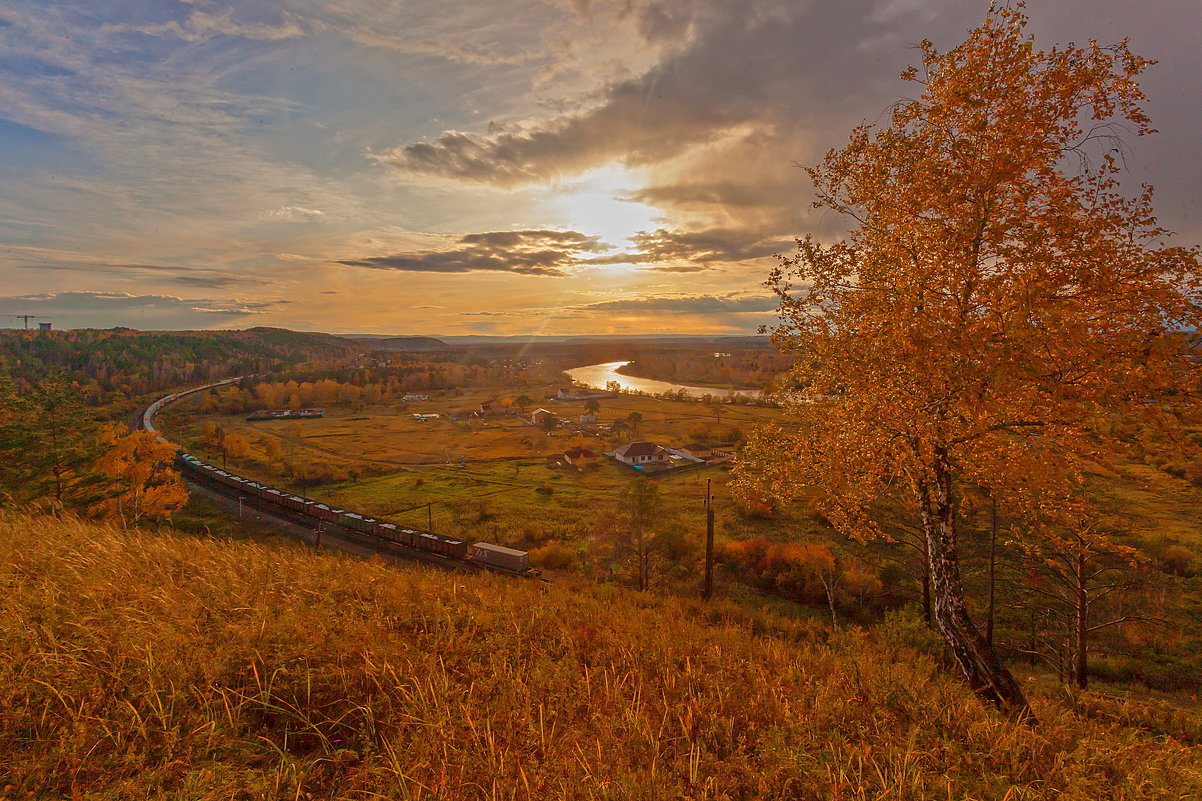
997,304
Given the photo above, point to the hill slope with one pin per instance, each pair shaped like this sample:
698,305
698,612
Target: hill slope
140,361
144,664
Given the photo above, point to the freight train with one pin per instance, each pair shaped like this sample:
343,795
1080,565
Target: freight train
380,531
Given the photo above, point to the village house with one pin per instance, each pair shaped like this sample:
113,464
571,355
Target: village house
580,458
540,418
641,453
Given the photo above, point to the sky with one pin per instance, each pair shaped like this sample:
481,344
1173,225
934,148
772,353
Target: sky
463,167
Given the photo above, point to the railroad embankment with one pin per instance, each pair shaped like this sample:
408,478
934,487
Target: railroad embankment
159,665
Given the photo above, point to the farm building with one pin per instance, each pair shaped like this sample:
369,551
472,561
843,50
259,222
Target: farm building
641,453
580,458
540,417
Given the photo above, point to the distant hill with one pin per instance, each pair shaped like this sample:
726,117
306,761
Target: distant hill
132,362
161,665
405,343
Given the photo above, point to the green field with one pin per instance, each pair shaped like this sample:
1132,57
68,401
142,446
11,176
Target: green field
489,481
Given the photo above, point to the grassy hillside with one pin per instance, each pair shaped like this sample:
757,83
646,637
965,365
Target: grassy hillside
164,666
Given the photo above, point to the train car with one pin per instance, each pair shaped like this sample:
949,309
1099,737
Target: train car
357,522
323,512
296,503
456,549
500,557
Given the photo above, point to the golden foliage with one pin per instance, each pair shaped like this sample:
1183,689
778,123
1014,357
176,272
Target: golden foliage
993,310
135,468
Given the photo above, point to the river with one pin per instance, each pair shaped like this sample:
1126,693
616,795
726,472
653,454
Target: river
599,375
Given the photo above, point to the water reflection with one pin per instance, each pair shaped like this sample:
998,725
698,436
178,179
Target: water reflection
599,376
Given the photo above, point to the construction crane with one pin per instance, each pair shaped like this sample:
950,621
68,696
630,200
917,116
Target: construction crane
25,317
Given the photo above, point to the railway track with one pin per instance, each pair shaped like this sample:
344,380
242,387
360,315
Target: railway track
319,534
344,529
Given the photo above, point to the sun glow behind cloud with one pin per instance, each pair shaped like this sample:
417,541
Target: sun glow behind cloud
594,204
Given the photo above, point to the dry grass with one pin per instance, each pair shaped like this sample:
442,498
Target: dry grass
163,666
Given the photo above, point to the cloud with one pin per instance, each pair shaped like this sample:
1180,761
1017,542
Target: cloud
689,304
295,214
199,26
82,309
186,276
502,314
515,155
533,252
684,251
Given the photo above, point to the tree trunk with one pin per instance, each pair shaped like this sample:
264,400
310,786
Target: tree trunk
992,573
1081,655
828,584
926,584
985,673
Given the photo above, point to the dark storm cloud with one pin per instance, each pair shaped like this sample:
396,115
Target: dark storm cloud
748,90
536,252
511,155
747,71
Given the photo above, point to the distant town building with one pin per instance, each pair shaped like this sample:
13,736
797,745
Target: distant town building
412,398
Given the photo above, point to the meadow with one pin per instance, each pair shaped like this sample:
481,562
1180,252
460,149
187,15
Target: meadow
154,664
491,480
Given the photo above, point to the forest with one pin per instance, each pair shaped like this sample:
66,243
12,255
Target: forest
109,365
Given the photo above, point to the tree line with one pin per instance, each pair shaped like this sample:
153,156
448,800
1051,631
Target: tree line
57,454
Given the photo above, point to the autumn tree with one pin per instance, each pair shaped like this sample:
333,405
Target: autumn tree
135,480
998,303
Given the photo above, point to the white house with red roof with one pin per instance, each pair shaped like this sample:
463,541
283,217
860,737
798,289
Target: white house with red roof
641,453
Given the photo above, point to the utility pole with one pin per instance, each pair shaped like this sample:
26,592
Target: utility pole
430,517
707,589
